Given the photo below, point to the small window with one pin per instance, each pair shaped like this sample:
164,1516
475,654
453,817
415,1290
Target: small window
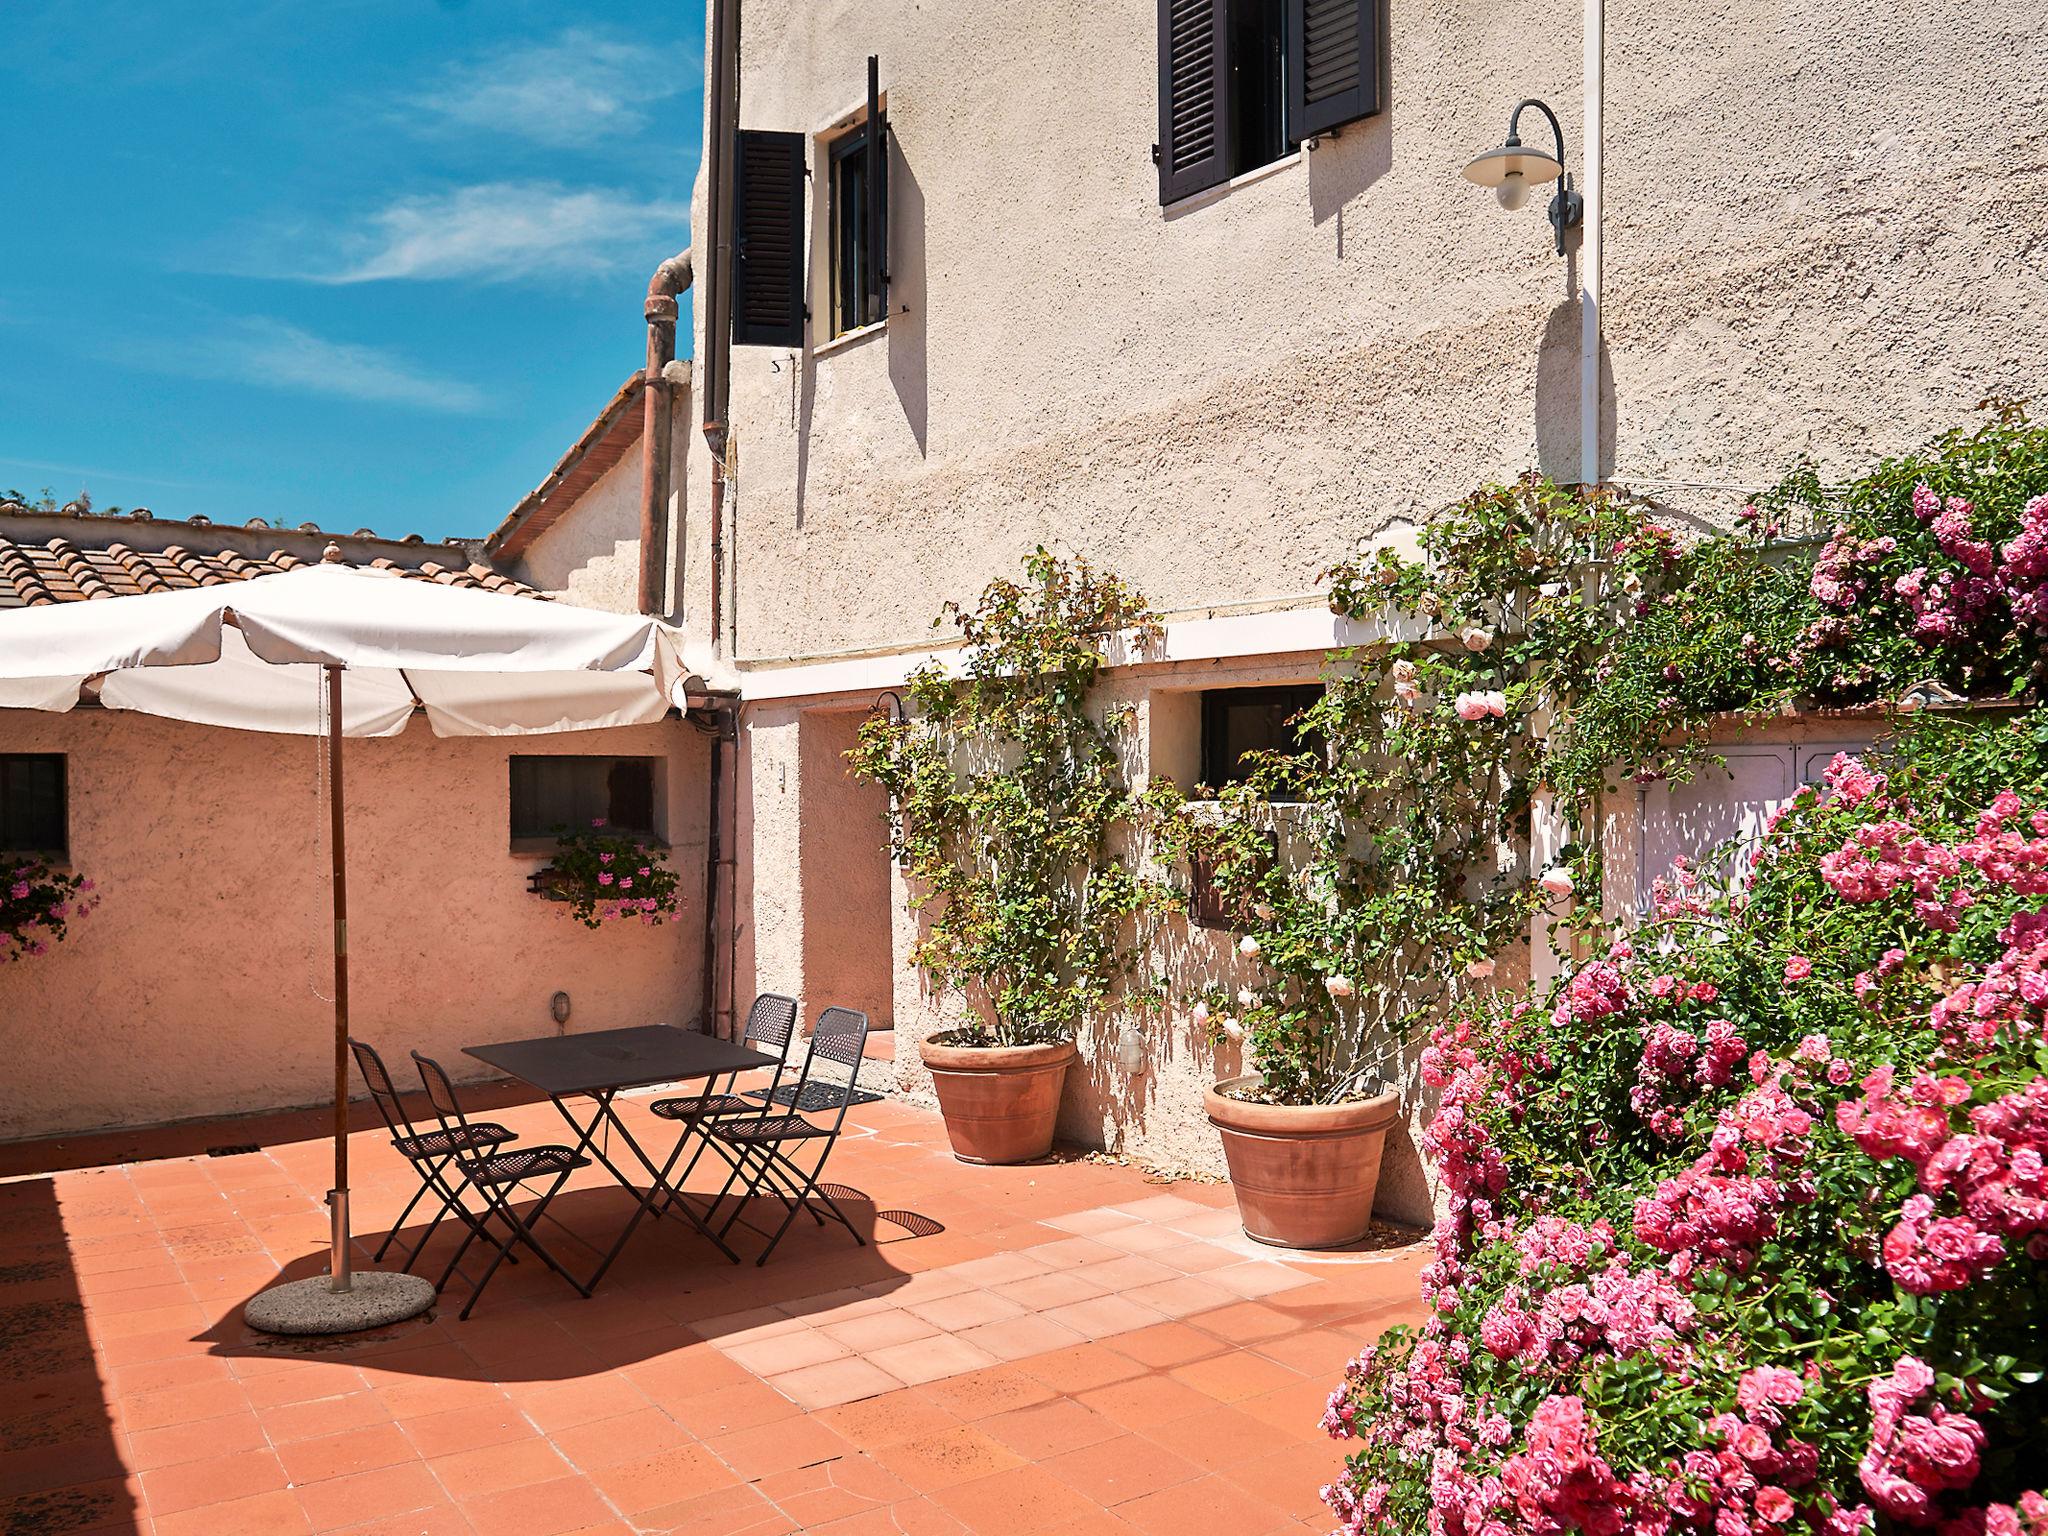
1237,721
858,219
32,812
1258,98
553,794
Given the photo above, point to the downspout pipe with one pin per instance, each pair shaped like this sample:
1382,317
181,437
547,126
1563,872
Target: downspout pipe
671,278
1593,189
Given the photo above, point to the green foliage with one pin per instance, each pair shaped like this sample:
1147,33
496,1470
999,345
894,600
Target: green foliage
1014,818
607,876
38,902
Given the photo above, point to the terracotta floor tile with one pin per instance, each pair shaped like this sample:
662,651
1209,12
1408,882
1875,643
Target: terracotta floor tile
181,1405
1163,1345
214,1480
353,1450
910,1517
1293,1479
542,1509
879,1328
1080,1368
923,1360
799,1442
1037,1293
1145,1400
1296,1408
1195,1258
513,1464
730,1408
834,1382
324,1416
966,1309
565,1404
433,1520
265,1514
787,1351
1257,1277
1239,1374
950,1456
1050,1429
1142,1238
1124,1467
1163,1208
816,1495
1070,1252
740,1510
465,1429
1218,1438
1320,1352
1181,1296
1093,1222
650,1482
149,1449
1023,1501
1243,1324
1103,1317
1211,1503
889,1419
605,1442
382,1494
998,1268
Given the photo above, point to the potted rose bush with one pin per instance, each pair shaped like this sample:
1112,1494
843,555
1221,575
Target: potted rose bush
1748,1223
1009,805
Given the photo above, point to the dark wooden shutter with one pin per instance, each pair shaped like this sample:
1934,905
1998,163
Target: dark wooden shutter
768,240
1333,63
1194,96
875,302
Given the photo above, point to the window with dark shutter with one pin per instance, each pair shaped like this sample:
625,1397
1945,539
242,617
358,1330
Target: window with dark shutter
32,815
1240,721
1194,96
768,240
1333,58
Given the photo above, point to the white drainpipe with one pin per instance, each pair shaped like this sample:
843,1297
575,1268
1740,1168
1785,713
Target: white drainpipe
1589,248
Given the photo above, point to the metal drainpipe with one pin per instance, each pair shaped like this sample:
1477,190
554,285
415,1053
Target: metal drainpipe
723,728
670,279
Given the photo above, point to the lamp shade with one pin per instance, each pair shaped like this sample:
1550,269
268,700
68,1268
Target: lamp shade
1497,167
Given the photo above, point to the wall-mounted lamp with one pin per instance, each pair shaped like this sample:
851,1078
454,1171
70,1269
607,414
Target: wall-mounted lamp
1515,167
890,707
558,1007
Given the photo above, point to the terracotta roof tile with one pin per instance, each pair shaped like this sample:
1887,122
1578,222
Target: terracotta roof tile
35,572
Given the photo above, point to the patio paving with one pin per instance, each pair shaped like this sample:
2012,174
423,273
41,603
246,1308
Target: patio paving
1057,1348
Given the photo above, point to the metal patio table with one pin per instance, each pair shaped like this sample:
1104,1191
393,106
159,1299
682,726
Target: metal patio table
600,1066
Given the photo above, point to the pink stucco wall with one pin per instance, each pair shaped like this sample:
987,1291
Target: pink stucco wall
190,991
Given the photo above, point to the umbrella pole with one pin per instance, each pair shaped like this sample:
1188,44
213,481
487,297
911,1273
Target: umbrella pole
337,1197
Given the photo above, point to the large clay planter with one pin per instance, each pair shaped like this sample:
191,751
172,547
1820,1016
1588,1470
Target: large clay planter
1304,1174
1000,1102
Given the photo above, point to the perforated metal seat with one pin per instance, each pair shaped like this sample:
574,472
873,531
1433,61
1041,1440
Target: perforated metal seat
525,1163
703,1106
770,1128
463,1139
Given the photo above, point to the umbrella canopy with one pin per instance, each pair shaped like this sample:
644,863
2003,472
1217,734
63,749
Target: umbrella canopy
271,653
250,654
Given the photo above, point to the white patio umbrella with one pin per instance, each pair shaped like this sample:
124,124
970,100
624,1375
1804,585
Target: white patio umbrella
270,654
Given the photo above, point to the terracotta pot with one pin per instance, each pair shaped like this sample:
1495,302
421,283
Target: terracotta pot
1000,1102
1304,1174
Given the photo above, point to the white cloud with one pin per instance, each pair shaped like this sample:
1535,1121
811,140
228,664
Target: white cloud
573,90
500,231
270,352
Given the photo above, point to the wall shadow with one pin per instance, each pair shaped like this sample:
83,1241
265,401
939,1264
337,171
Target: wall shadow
1348,160
60,1464
906,336
1556,400
669,1291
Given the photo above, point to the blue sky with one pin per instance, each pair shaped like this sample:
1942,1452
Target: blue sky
364,263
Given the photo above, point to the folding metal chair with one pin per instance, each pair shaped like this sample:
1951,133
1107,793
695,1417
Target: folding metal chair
496,1175
840,1038
770,1023
429,1152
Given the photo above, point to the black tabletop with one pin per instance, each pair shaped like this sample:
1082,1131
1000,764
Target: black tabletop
607,1059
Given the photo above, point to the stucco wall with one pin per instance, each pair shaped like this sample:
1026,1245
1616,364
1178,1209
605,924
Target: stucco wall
190,991
1823,234
1821,222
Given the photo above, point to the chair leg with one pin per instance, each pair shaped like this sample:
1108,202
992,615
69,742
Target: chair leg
399,1225
501,1205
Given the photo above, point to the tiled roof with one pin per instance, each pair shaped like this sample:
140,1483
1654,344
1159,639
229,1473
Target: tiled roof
113,557
603,443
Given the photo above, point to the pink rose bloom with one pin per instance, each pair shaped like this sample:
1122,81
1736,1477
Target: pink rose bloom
604,879
1556,881
1471,707
1774,1505
1798,968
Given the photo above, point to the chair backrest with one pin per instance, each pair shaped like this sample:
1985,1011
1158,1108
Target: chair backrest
440,1092
841,1037
771,1021
389,1104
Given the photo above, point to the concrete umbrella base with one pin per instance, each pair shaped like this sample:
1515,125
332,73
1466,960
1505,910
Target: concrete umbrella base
374,1298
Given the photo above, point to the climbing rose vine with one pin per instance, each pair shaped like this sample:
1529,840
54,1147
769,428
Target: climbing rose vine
1748,1218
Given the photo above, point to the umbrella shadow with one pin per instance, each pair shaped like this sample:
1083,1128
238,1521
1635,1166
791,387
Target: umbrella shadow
668,1291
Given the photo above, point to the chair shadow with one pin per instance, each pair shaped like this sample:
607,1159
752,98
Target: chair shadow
60,1464
668,1290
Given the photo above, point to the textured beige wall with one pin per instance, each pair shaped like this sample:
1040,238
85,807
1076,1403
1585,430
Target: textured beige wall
190,991
1823,232
1823,235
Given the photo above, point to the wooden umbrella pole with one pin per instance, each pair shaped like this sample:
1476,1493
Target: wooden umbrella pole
337,1198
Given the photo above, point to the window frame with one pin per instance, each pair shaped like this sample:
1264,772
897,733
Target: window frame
848,244
544,840
61,849
1215,774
